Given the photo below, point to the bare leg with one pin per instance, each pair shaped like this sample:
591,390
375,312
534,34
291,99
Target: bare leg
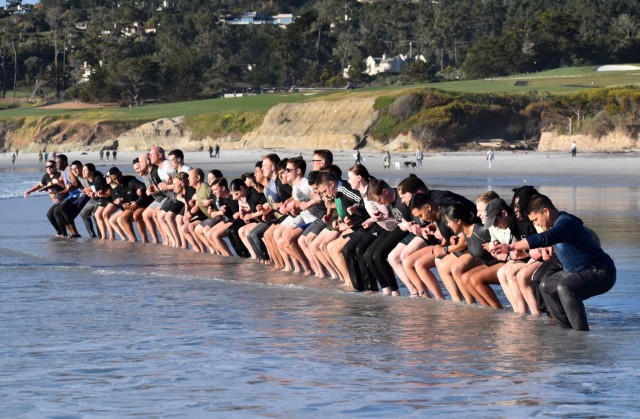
423,268
125,223
147,216
304,243
523,279
317,250
113,221
170,219
138,217
409,268
216,235
106,214
458,266
479,281
507,277
290,243
243,232
102,228
334,249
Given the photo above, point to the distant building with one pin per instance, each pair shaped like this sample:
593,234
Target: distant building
386,64
283,19
258,18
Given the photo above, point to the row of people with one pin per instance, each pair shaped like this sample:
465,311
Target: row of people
360,230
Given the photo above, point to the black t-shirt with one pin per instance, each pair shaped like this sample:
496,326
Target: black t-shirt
522,228
284,190
99,184
47,179
232,207
128,191
400,211
255,198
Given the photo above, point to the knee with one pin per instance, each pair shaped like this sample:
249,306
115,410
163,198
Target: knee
378,257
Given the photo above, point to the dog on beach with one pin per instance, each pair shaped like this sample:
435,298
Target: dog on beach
410,164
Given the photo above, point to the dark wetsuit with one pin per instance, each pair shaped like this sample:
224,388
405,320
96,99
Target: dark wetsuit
479,237
587,270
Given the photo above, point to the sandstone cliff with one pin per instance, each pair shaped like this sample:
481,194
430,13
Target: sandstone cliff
335,125
615,141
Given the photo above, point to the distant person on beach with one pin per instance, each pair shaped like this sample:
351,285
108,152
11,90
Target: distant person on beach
587,270
101,154
574,149
115,154
108,153
489,157
40,157
210,152
387,160
45,156
419,157
53,156
13,158
358,157
217,155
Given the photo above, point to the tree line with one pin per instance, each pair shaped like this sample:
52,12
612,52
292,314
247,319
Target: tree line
182,49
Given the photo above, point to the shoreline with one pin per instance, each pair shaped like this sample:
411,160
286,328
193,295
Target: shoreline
586,167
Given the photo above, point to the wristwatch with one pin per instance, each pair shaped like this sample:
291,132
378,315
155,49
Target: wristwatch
445,249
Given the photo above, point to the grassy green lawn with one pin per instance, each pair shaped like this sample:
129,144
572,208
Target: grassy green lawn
260,103
558,81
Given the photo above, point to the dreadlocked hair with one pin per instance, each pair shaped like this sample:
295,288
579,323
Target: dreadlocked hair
524,193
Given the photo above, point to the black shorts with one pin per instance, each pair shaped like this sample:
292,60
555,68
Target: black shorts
175,207
315,227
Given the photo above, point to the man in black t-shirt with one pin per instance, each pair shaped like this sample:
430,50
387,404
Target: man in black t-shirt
51,182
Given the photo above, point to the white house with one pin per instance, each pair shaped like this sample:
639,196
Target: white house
386,64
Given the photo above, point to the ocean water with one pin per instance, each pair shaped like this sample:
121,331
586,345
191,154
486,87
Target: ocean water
95,329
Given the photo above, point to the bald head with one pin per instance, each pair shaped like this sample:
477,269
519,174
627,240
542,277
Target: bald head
144,163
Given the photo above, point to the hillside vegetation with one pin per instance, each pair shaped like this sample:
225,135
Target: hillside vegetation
436,119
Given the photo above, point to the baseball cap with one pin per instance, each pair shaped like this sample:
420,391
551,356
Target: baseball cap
494,207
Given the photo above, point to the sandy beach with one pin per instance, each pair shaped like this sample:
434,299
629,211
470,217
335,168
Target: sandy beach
522,167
